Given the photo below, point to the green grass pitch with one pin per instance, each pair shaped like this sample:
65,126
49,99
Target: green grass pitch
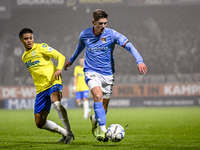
145,128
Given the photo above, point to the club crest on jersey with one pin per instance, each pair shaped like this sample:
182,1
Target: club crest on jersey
92,75
33,53
103,39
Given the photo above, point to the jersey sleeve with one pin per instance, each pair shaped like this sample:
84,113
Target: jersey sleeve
119,38
52,53
129,47
124,42
81,39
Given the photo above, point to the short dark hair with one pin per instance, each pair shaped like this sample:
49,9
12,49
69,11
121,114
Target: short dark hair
24,31
99,13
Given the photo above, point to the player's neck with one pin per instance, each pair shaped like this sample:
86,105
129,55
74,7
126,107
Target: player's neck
95,32
27,49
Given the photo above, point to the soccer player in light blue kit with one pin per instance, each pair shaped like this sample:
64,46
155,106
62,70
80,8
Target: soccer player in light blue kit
99,65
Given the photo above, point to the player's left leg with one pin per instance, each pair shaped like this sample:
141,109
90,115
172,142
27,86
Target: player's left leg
105,104
62,113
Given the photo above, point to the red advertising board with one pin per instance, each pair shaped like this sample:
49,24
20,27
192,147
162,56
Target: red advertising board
24,92
119,91
156,90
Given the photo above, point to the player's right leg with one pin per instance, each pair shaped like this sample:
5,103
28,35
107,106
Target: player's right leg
78,99
41,118
78,103
41,111
93,119
94,83
42,123
86,108
100,114
108,82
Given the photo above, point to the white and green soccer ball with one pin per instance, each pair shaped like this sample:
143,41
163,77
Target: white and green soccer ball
115,133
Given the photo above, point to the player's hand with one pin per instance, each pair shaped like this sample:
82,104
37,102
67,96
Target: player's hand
57,74
142,68
67,64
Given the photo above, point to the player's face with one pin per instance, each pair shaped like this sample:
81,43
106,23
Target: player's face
27,40
81,62
99,26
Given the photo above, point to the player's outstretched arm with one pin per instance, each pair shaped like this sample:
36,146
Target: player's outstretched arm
142,68
77,51
57,74
67,64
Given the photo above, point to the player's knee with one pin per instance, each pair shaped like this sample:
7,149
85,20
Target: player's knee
55,96
40,124
98,98
57,105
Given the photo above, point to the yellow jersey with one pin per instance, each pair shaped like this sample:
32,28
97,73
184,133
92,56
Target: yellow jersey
38,61
80,83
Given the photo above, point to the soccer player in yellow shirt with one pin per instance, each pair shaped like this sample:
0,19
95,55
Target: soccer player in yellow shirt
80,88
48,83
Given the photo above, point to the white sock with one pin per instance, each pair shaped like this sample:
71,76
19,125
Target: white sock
53,127
86,109
62,113
103,128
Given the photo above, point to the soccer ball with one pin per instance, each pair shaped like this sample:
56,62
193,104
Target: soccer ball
115,133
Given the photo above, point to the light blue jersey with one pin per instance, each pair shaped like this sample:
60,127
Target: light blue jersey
99,50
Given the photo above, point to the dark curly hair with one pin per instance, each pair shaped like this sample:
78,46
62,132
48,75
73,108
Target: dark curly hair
24,31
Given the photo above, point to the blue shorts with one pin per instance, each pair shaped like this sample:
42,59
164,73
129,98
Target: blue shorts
82,94
43,99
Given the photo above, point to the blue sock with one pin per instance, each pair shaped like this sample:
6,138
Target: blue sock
100,114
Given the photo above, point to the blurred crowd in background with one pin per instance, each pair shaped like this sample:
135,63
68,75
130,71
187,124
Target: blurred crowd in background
167,38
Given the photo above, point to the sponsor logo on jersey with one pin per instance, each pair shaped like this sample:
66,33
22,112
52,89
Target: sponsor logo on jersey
80,74
103,39
30,64
98,48
44,45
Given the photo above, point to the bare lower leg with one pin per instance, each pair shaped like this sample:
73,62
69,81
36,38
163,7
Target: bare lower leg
40,118
105,104
42,123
